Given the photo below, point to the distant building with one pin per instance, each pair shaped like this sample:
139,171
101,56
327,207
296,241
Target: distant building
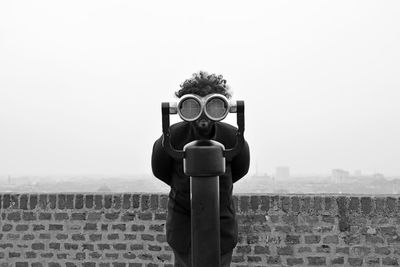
282,173
357,173
104,188
339,175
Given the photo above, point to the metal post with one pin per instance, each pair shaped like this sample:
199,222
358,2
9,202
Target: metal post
204,162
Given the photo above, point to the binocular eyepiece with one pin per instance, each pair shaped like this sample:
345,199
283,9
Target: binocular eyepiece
190,107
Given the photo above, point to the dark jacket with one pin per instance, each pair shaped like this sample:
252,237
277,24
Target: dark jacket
171,172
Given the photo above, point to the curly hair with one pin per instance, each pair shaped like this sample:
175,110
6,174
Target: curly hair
203,84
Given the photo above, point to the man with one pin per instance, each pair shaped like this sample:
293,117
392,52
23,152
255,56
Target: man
171,172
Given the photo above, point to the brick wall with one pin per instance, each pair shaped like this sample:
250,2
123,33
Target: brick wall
118,230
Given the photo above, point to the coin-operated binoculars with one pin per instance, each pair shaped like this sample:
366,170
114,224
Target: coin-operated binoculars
204,161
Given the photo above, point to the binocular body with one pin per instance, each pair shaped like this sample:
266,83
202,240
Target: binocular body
204,161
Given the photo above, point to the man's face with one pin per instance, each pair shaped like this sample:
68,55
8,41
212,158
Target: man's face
203,123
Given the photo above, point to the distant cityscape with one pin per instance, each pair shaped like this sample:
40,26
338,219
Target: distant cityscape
339,181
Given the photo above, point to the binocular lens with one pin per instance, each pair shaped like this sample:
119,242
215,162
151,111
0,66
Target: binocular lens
190,109
216,108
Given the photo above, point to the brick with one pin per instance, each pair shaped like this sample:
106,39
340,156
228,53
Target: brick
160,216
344,224
20,227
14,216
113,236
145,199
95,237
354,205
56,227
264,203
70,246
54,245
69,202
37,246
44,236
107,201
12,254
38,227
295,204
14,201
61,201
154,248
244,203
243,249
137,228
136,247
337,260
126,201
290,219
382,250
328,201
390,205
43,202
146,257
23,202
7,227
61,236
312,239
163,202
28,216
331,239
390,261
252,239
28,237
30,255
6,201
78,216
254,203
274,260
355,261
44,216
117,201
366,205
59,216
147,237
94,216
79,201
305,204
373,239
153,201
120,227
304,250
90,227
98,202
146,216
316,260
52,201
88,247
323,249
157,227
261,250
136,201
104,227
129,256
328,219
294,261
129,237
287,251
283,228
292,239
372,261
103,246
253,259
317,204
303,229
285,202
89,200
119,246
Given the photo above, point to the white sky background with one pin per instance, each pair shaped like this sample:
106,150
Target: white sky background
81,82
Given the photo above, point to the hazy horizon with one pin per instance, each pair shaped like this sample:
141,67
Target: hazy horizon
81,83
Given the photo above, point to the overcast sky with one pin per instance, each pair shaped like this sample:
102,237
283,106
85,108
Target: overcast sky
81,82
